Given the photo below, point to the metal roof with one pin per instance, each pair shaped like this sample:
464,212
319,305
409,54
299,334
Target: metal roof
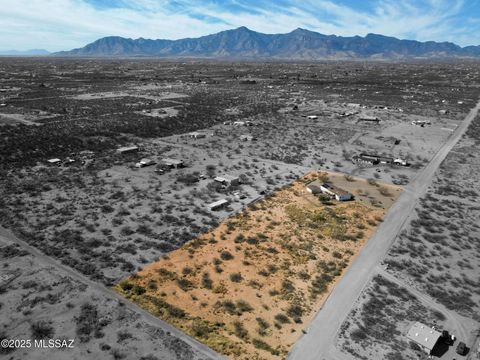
423,335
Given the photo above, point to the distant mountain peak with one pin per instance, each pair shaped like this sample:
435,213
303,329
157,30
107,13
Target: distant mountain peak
302,44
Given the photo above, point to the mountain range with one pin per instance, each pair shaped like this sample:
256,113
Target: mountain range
32,52
300,44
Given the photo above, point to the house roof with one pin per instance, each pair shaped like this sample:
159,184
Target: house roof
335,190
423,335
127,148
170,161
218,203
227,178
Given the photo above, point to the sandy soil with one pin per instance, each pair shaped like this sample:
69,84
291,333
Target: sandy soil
262,268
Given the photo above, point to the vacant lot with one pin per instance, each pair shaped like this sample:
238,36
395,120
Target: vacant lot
249,286
39,301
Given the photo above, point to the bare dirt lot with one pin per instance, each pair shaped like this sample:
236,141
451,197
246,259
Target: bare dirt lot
249,286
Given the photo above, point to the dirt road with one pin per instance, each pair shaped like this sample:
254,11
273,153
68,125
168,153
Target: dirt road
318,341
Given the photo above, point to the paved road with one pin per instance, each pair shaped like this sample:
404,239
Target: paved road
320,335
7,237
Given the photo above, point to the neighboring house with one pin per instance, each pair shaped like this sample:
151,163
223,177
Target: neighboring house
424,336
228,180
173,163
127,149
372,159
218,204
316,187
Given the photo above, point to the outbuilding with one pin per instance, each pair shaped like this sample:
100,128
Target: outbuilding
54,161
218,204
197,135
173,163
127,149
424,336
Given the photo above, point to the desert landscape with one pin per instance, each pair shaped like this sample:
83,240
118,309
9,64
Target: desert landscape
168,204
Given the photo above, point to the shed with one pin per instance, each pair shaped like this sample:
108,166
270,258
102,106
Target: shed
423,336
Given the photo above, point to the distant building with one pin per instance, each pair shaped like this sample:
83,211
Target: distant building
197,135
228,180
242,123
144,162
401,162
247,138
421,123
372,159
54,161
127,149
317,187
369,119
173,163
424,336
218,204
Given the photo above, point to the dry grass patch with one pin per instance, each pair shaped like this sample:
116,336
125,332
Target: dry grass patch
248,287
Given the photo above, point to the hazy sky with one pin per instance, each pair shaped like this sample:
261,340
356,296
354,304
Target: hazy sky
66,24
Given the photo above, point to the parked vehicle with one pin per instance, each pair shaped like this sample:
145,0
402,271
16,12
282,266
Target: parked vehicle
461,348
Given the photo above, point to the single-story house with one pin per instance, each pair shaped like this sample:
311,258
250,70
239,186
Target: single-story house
228,180
218,204
339,194
127,149
317,187
173,163
372,159
424,336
